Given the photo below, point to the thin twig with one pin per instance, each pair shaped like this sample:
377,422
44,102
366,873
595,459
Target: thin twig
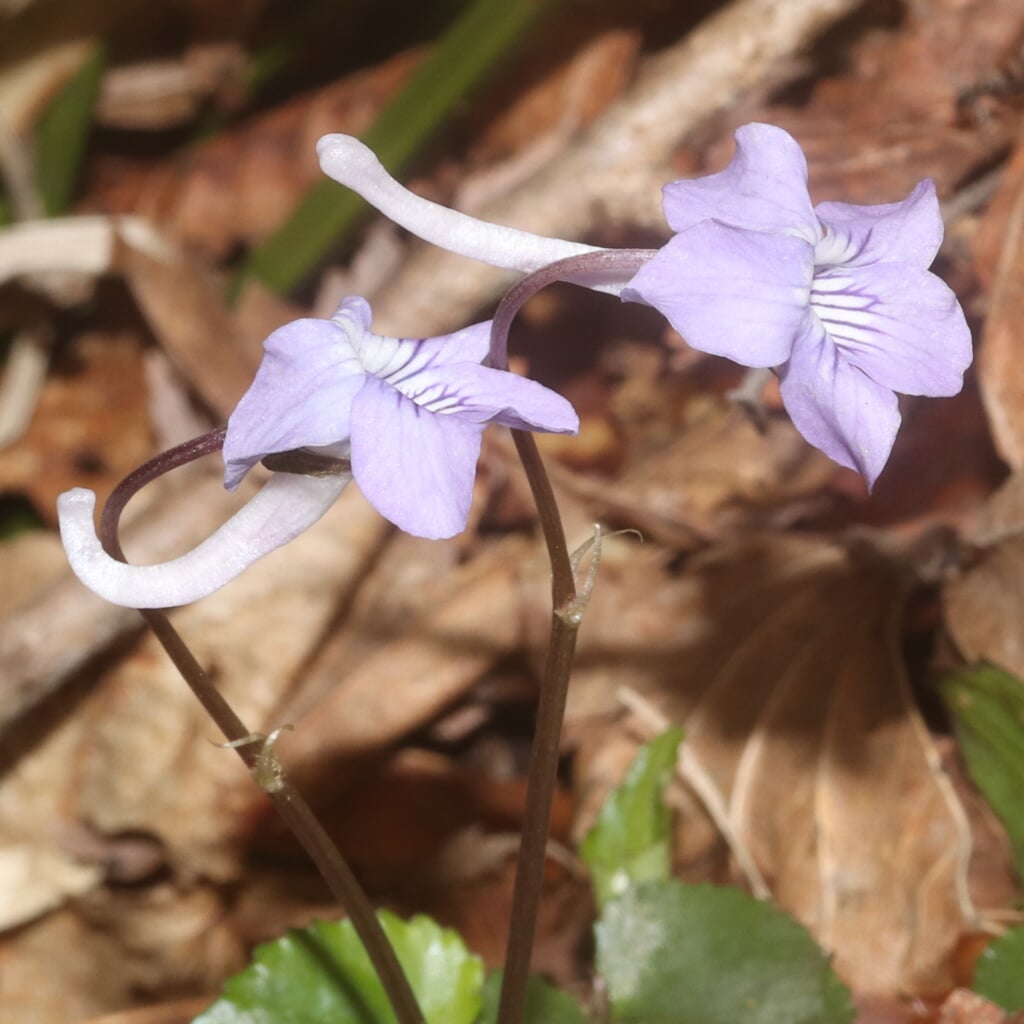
293,809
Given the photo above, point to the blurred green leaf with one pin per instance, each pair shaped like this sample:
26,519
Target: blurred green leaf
322,973
670,953
631,840
999,974
17,514
987,705
545,1004
62,134
472,47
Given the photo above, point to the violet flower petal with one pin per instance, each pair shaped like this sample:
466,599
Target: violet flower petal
479,394
900,324
733,293
906,232
764,188
415,467
285,506
301,396
836,406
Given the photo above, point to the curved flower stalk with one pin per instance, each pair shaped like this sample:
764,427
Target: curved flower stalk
837,298
406,414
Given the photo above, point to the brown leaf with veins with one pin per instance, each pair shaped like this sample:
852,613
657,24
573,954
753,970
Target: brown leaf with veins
91,426
242,185
1000,260
984,604
893,115
781,658
185,307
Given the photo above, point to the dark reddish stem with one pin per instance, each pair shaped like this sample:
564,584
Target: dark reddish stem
542,774
297,814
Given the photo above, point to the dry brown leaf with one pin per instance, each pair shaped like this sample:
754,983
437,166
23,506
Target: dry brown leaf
187,311
28,562
781,658
984,604
964,1007
241,186
135,759
114,948
569,96
182,1011
149,761
423,666
1000,260
91,426
34,879
714,475
892,117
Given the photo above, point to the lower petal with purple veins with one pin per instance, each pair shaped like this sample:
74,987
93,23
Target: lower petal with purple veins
898,323
414,466
836,406
480,394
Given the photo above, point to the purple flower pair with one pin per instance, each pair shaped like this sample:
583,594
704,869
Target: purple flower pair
836,298
408,414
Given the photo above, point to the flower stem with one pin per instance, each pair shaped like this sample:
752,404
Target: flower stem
542,773
293,809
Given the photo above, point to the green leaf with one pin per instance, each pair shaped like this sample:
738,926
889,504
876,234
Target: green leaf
62,133
545,1004
999,974
472,46
631,841
322,973
676,954
987,705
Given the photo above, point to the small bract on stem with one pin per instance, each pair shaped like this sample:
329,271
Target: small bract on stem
298,816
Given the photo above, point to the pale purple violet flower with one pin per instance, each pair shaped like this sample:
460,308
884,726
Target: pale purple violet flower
407,413
837,296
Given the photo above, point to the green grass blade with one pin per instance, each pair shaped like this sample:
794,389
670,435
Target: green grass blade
471,48
63,132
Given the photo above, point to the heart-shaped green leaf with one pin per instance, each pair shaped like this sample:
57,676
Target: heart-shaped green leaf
322,973
676,954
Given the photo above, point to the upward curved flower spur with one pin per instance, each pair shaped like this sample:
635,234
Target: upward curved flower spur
406,414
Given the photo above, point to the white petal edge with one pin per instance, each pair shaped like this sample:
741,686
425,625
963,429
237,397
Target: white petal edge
284,507
355,166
